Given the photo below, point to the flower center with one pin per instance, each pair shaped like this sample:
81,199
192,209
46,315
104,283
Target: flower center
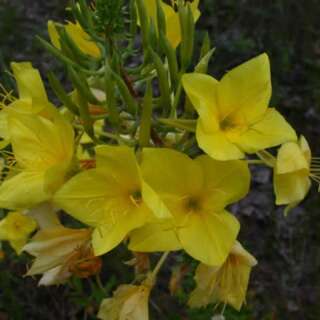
233,125
136,197
315,170
193,204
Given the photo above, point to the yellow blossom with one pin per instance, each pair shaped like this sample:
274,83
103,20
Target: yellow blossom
227,283
77,34
234,117
294,168
32,97
195,192
43,150
16,228
129,302
108,198
58,250
173,28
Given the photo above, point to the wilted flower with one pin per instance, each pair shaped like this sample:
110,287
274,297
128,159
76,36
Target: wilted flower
227,283
61,252
129,302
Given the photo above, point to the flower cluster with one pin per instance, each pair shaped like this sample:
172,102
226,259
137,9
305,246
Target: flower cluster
151,155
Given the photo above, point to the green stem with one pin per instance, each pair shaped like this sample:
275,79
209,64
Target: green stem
267,158
146,117
159,264
255,161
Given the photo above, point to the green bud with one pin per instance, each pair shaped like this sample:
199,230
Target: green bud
161,19
146,117
170,53
187,33
61,94
144,22
163,82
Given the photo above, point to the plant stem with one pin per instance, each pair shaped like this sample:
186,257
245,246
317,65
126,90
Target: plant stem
159,264
255,161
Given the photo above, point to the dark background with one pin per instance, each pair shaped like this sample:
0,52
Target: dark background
285,284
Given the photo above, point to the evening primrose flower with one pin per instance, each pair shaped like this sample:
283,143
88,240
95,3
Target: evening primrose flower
109,198
195,192
43,151
32,97
77,34
129,302
60,252
234,117
293,171
227,283
173,28
16,228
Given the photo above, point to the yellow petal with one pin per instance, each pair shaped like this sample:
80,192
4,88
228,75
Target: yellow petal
157,236
30,85
246,89
209,237
304,146
108,236
225,182
291,158
270,131
45,215
53,34
121,162
82,40
245,256
24,190
16,225
217,145
201,89
39,143
154,202
173,28
91,197
175,172
206,284
129,302
291,187
16,228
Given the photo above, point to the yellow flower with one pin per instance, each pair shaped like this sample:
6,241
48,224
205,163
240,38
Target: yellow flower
43,150
58,250
32,97
173,28
129,302
234,117
108,198
227,283
78,35
293,169
195,192
16,228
